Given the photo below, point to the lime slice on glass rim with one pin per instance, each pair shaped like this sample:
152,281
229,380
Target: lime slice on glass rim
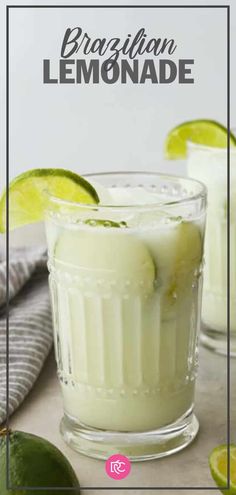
218,461
205,132
27,194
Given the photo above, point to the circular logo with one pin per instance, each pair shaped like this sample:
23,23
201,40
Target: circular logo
118,466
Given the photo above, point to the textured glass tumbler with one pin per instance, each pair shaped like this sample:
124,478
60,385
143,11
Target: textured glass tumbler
125,283
210,166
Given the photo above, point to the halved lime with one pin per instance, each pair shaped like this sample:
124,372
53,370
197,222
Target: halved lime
218,461
206,132
27,194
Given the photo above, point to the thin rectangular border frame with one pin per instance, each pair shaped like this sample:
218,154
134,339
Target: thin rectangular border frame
8,7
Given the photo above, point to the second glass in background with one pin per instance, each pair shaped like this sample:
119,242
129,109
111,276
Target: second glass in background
209,165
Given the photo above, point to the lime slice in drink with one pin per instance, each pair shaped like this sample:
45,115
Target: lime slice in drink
108,251
206,132
188,256
189,246
218,461
27,194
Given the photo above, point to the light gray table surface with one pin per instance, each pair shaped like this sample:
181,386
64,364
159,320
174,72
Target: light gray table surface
41,412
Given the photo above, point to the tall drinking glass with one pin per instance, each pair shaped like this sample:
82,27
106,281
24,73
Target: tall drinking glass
209,165
125,279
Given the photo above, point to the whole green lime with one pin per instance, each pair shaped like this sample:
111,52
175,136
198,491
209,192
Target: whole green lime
34,462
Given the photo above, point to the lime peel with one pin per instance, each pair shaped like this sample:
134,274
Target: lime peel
93,222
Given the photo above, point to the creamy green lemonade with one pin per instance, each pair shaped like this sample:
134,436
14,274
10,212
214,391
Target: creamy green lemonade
209,165
125,259
125,280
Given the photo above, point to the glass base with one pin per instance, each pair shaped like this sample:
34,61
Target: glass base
140,446
217,341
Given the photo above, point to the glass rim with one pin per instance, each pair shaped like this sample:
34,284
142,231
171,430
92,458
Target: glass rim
213,149
201,194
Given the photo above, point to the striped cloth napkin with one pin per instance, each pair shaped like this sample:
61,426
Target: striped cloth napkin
30,326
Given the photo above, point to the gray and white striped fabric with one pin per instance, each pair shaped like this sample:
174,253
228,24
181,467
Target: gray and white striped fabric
30,325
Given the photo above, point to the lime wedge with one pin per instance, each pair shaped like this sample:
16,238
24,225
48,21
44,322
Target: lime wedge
27,194
206,132
218,465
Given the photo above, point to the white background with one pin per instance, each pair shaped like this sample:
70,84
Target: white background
105,127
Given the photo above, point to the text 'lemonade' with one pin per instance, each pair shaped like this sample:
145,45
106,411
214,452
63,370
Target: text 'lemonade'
125,278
